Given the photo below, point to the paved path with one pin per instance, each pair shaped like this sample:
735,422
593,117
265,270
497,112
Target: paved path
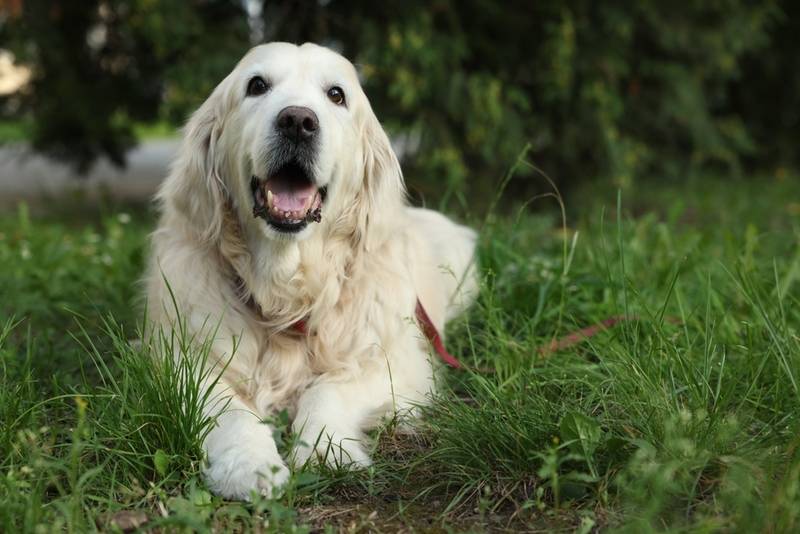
31,177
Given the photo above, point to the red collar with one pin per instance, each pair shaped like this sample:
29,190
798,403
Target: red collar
300,327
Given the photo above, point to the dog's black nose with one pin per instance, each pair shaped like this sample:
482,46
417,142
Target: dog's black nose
297,123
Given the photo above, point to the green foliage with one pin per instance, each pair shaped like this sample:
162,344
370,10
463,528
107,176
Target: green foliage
681,416
597,89
18,408
101,67
148,409
53,274
684,418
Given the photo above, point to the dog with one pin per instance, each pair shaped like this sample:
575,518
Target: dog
286,240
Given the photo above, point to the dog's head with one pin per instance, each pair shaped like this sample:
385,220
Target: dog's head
289,140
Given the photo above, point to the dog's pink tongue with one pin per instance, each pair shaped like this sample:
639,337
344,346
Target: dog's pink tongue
289,196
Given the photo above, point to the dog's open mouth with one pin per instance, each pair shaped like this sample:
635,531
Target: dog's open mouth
288,199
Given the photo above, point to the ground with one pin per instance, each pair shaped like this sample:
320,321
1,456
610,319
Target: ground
684,416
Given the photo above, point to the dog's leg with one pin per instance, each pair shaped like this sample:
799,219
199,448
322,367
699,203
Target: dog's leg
328,424
241,452
331,414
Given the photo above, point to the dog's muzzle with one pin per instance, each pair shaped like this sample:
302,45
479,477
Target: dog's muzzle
288,199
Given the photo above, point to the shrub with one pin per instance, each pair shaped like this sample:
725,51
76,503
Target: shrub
596,89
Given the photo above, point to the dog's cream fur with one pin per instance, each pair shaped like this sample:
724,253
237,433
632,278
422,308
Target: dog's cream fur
354,277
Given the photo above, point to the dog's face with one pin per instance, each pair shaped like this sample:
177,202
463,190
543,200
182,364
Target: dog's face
290,140
292,131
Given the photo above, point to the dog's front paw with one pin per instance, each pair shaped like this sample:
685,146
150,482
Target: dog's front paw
330,449
239,471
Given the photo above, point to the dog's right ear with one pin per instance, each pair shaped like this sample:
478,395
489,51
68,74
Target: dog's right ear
194,188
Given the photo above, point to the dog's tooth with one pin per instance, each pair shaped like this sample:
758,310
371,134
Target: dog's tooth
269,198
286,214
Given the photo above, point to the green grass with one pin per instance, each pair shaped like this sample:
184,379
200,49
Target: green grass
20,130
13,131
155,130
683,418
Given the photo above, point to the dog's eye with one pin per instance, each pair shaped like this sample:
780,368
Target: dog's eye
336,95
257,86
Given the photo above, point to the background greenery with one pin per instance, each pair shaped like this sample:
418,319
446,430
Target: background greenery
598,89
684,419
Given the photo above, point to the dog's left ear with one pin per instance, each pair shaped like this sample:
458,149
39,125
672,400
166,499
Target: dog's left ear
383,192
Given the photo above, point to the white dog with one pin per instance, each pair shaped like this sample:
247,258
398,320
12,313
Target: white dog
285,234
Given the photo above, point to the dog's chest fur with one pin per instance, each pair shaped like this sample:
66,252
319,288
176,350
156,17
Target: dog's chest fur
340,301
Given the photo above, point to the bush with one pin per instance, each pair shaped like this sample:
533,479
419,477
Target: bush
595,89
101,66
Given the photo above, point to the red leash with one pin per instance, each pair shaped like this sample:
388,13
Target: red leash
428,329
555,345
573,338
433,336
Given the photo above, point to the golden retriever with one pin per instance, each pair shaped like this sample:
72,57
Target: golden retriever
286,235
